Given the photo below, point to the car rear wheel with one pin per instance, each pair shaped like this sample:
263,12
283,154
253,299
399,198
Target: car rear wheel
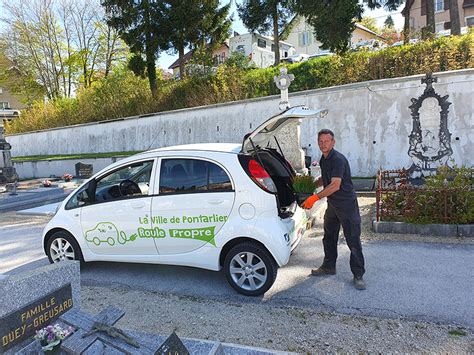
250,269
62,246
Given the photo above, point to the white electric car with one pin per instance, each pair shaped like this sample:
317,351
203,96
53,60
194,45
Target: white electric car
202,205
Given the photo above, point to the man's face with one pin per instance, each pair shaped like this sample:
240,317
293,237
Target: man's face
326,143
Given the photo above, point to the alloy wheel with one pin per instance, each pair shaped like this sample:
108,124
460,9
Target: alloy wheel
61,250
248,271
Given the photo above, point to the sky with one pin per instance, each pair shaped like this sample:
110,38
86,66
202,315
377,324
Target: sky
380,15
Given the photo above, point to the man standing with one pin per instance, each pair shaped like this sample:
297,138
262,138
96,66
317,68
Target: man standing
342,210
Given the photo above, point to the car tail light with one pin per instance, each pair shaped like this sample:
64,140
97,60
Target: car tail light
260,176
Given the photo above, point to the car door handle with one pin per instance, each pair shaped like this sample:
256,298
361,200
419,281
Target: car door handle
215,202
138,205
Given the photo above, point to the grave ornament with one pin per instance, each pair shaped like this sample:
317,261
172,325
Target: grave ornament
430,139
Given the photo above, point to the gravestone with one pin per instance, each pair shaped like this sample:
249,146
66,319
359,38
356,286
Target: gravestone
430,139
7,171
34,299
172,345
84,171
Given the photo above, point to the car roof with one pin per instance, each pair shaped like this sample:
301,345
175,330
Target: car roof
209,147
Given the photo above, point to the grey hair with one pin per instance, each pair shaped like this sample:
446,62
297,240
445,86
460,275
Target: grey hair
325,131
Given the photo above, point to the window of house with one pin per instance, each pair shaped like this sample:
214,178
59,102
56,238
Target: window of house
192,176
261,43
439,26
240,48
4,105
470,21
305,38
273,48
439,5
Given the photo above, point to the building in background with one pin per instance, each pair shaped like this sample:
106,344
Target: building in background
10,105
442,22
301,35
219,55
259,48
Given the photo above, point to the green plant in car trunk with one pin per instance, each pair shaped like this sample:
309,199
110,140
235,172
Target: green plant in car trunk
303,184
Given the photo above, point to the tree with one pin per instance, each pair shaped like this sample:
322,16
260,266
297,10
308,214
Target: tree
195,24
454,17
333,21
429,29
212,32
60,44
16,82
264,16
392,5
389,22
370,23
137,23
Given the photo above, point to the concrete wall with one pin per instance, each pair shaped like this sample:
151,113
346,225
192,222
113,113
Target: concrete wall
371,121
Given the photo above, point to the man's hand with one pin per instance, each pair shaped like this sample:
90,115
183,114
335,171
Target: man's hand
309,202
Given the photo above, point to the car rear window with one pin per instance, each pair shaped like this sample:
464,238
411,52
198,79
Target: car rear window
192,176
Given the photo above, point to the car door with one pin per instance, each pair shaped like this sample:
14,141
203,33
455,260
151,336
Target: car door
194,201
117,222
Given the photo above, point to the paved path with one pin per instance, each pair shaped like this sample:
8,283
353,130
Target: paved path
421,281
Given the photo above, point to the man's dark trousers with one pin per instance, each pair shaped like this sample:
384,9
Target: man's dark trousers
349,218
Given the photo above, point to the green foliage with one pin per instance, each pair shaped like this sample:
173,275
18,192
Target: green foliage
123,94
370,23
389,22
457,332
303,184
239,60
446,197
199,24
333,21
137,65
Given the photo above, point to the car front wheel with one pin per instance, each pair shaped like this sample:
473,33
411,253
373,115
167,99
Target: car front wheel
250,269
62,246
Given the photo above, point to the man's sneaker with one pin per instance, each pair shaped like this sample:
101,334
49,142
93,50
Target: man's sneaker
359,283
320,271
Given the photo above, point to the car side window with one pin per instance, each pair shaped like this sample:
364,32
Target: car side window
192,176
80,198
132,180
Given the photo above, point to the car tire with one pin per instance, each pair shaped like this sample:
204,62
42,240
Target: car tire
250,269
62,246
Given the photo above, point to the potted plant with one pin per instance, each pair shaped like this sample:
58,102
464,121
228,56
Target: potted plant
51,336
303,187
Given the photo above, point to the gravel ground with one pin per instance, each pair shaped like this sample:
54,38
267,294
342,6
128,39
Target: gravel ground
283,328
279,328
